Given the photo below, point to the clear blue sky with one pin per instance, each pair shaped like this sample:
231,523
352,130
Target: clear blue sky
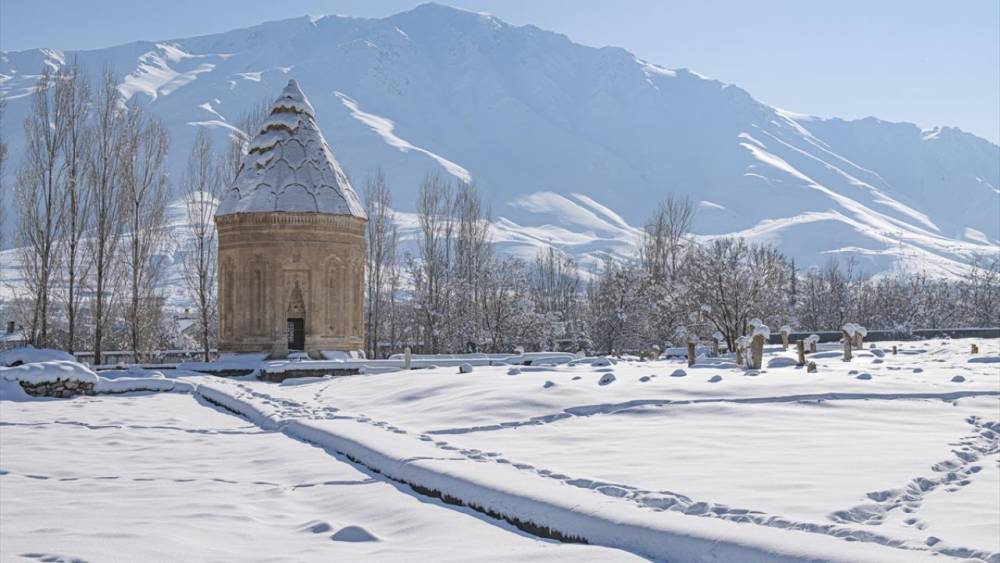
931,62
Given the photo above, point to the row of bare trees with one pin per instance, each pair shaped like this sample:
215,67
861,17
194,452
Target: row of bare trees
90,200
454,294
90,194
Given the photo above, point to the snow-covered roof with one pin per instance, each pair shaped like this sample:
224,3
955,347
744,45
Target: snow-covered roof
289,167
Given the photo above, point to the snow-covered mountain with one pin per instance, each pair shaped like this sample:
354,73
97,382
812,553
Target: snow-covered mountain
572,145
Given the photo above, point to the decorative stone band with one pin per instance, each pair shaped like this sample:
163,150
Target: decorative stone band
345,223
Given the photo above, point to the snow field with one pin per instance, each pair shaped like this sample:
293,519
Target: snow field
776,453
658,459
162,477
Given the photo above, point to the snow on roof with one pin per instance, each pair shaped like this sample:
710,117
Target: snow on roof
289,166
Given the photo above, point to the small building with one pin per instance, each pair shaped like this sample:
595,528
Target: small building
291,243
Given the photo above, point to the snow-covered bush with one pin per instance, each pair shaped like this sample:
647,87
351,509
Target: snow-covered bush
465,368
30,355
48,372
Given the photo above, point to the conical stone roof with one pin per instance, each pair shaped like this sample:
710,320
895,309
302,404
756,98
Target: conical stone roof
289,167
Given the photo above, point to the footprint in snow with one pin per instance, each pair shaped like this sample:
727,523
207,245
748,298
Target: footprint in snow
606,379
549,384
715,379
644,378
864,376
958,379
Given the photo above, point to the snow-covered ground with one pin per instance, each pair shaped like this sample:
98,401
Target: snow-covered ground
168,477
884,458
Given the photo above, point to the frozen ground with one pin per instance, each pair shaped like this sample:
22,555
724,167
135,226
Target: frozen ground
169,477
883,458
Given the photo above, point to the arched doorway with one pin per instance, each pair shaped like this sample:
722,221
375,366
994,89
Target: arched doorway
296,319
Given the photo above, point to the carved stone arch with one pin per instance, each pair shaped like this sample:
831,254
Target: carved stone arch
357,282
259,276
334,288
296,300
228,285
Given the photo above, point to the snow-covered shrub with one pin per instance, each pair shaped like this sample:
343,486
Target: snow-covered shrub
465,368
31,355
50,371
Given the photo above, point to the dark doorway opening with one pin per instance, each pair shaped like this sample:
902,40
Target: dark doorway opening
296,334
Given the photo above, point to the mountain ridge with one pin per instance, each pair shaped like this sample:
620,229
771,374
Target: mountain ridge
526,113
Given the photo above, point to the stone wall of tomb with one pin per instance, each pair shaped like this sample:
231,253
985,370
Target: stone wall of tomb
276,266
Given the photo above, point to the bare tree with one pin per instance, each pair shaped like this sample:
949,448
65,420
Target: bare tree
73,98
3,164
555,290
617,313
144,181
239,140
39,200
508,313
381,237
202,183
431,274
663,238
473,253
731,281
106,207
662,249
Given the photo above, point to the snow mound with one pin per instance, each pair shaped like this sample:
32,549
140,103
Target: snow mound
678,373
353,534
48,372
465,368
958,379
514,371
781,362
30,355
131,384
606,379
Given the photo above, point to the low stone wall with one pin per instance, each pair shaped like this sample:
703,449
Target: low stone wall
890,335
61,388
278,377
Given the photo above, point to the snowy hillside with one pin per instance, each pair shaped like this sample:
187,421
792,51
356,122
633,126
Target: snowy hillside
572,145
